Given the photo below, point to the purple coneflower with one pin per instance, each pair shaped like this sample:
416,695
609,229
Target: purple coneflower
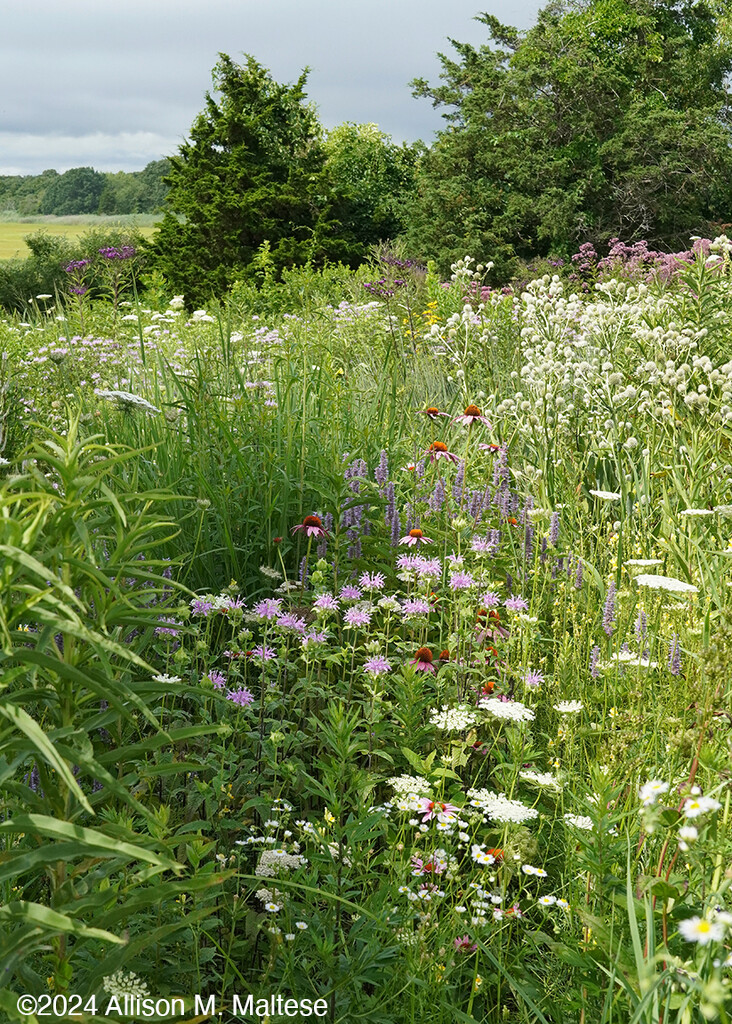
438,450
472,415
422,660
312,526
433,412
415,537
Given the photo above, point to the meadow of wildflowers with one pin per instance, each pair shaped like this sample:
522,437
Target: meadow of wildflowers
377,650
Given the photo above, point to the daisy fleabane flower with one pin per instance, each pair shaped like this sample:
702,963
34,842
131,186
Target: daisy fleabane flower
701,931
651,790
695,806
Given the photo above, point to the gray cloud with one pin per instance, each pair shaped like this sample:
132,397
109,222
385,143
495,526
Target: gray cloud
115,86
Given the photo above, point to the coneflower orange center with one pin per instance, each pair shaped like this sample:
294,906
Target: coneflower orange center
416,533
311,521
424,654
438,446
472,410
433,411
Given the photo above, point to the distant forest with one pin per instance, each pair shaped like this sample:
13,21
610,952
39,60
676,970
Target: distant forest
84,190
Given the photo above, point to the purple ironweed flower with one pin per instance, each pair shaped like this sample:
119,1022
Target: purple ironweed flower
169,629
377,665
516,604
674,656
242,696
325,603
372,580
201,607
415,606
357,617
218,679
288,620
533,677
490,599
126,252
554,529
461,581
350,593
263,653
269,608
76,265
594,658
608,614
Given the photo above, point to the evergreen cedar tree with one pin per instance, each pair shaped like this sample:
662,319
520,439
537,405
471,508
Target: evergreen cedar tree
608,118
255,184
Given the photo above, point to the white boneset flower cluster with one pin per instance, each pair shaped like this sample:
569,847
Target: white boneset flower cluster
273,861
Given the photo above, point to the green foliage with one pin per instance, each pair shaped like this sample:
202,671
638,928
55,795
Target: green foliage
605,119
75,191
249,174
372,180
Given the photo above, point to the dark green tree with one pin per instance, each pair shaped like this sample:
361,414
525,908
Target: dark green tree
250,174
371,181
607,118
75,191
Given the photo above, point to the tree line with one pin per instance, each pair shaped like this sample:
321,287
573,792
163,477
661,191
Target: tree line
83,190
607,119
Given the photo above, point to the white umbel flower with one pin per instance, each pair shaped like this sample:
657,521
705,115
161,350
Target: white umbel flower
498,807
666,583
569,707
453,719
127,401
507,710
607,495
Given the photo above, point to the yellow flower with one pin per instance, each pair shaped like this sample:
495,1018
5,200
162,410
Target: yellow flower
477,983
328,816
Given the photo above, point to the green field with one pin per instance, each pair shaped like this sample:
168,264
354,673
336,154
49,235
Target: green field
14,232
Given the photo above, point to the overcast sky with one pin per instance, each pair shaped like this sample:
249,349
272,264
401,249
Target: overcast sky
115,85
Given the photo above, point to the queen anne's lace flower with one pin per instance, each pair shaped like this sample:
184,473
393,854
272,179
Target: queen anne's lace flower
508,710
666,583
453,719
541,779
569,707
498,807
